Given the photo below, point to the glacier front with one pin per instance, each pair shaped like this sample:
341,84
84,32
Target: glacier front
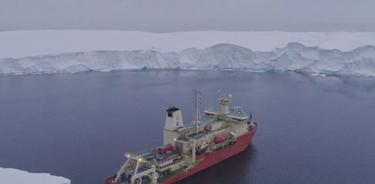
293,57
18,44
15,176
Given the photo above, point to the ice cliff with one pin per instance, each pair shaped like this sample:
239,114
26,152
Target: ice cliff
293,57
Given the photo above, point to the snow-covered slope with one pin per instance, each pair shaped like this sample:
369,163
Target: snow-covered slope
37,52
292,57
14,176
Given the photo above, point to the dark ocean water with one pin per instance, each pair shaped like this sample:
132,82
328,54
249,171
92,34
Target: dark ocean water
311,129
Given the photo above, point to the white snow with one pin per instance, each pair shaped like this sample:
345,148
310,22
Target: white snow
71,51
15,176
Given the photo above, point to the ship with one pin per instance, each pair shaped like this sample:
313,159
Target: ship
187,150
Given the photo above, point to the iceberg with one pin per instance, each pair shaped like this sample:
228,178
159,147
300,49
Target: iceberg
15,176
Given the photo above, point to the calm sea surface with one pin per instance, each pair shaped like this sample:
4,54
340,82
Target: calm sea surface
311,129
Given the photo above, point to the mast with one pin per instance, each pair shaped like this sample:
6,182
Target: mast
197,94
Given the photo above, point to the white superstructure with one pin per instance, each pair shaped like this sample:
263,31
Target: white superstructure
173,121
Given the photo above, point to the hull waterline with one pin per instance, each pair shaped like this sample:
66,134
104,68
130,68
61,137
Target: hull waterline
208,160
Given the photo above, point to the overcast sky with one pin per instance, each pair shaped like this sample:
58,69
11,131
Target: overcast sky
187,15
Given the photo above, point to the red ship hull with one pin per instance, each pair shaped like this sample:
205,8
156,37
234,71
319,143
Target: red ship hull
215,157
